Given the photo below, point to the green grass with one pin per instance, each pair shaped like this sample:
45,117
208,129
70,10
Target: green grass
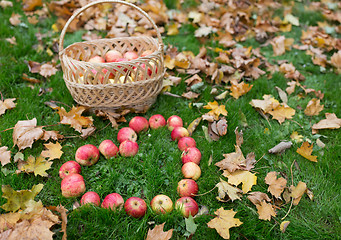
156,168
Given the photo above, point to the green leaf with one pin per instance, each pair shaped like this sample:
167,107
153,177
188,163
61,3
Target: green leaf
191,227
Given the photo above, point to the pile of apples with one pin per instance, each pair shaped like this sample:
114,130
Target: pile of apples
73,184
116,56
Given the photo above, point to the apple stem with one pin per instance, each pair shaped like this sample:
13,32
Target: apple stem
202,194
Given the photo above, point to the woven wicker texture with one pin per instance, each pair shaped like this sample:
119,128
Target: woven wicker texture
126,84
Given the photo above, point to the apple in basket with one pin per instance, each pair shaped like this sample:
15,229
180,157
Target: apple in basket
146,53
113,56
97,59
130,55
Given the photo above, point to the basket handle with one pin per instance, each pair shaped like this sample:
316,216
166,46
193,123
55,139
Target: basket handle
79,11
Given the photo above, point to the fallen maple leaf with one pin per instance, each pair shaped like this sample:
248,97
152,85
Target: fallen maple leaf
247,178
19,199
30,5
297,192
258,197
276,186
203,31
305,151
216,109
36,165
15,19
282,112
158,234
296,137
54,135
26,132
331,122
74,118
225,189
4,4
190,95
224,221
336,61
278,45
5,155
7,104
313,107
240,89
47,70
269,103
12,40
265,211
232,161
53,151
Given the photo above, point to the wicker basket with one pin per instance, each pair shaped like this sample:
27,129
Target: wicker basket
131,84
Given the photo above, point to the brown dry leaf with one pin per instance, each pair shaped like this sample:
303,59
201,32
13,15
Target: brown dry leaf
297,192
36,165
53,151
284,226
247,178
30,5
12,40
331,122
222,126
282,112
190,95
296,137
203,31
4,4
26,132
216,109
282,95
232,161
15,19
276,186
193,80
265,211
336,61
54,135
7,104
240,89
291,87
227,190
258,197
34,67
239,137
174,80
182,61
281,147
5,155
158,234
313,107
47,70
193,125
224,221
87,132
278,45
63,215
74,118
269,103
19,199
305,151
290,71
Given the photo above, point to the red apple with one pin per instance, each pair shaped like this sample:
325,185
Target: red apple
157,121
146,53
135,207
187,188
113,201
126,133
191,170
130,55
69,167
113,56
91,197
87,155
186,142
187,206
174,121
179,132
73,185
191,154
97,59
128,148
108,149
161,204
139,124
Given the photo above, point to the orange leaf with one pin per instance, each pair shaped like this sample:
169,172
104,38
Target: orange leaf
314,107
216,109
74,118
158,234
240,89
305,151
282,112
276,186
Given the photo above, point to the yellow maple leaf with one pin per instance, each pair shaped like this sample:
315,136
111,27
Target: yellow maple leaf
19,199
38,166
305,151
169,62
182,61
269,103
216,109
265,211
313,107
276,186
173,29
224,221
282,112
53,151
297,192
240,89
247,178
225,189
158,234
74,118
296,137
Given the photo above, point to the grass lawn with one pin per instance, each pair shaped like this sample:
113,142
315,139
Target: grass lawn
156,169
